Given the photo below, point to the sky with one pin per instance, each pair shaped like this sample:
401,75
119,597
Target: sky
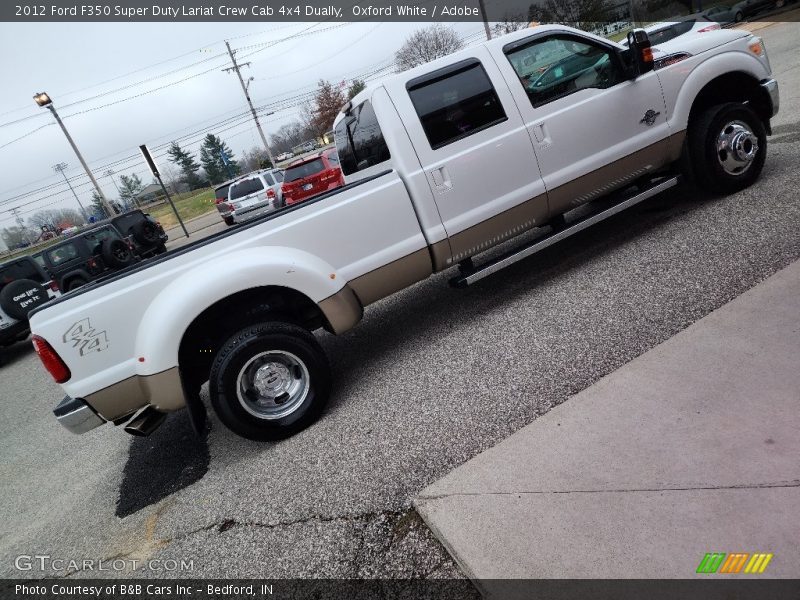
119,85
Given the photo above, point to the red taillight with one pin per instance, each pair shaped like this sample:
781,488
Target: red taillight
219,200
51,360
711,27
270,193
54,286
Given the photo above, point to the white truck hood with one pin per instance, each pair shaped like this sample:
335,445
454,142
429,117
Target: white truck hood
697,43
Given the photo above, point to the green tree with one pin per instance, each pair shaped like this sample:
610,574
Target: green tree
187,164
355,87
216,167
96,206
130,186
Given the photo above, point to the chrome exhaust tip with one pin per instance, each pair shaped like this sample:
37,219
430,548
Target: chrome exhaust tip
146,422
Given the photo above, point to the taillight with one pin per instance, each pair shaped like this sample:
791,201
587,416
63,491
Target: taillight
51,360
219,200
270,193
711,27
54,286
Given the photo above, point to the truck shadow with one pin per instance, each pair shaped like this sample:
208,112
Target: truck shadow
170,459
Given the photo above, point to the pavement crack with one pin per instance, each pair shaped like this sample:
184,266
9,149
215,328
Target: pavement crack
745,486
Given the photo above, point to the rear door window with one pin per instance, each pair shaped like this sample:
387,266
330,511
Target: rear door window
455,102
303,170
359,140
222,192
246,187
62,254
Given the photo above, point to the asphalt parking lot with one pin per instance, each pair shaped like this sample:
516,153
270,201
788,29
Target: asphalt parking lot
432,377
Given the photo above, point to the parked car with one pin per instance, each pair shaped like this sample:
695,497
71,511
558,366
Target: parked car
660,33
748,8
144,232
284,156
87,256
312,175
723,15
253,195
24,285
221,200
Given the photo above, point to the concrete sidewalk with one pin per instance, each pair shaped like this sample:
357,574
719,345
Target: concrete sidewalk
693,447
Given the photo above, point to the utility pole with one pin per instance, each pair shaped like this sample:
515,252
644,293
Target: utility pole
20,222
42,99
485,20
236,68
60,168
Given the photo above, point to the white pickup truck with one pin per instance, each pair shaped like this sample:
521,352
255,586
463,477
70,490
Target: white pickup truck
441,163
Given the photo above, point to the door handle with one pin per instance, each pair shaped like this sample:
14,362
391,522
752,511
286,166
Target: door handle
441,178
540,133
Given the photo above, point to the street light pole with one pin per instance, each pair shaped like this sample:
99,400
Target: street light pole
42,99
235,68
60,168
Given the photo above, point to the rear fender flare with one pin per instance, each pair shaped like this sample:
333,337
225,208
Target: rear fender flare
171,312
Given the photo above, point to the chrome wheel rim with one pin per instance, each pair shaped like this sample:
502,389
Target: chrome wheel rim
273,384
737,147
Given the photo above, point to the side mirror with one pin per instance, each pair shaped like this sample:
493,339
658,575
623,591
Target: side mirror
641,54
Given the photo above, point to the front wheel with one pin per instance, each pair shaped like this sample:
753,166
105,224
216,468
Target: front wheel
727,146
269,381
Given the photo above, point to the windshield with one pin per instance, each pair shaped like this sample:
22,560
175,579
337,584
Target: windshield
303,170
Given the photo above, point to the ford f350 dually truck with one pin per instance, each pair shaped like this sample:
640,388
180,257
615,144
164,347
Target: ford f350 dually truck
441,163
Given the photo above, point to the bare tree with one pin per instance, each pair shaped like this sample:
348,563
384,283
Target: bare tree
509,24
58,218
425,45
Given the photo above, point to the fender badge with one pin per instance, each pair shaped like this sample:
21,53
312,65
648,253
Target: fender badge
650,117
86,338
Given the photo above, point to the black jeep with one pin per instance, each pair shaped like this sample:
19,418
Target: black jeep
110,245
24,285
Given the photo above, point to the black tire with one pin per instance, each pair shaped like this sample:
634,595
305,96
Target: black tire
116,254
739,17
20,297
229,221
707,160
146,232
234,363
74,284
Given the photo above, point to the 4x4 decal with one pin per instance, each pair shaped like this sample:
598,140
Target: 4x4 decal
84,336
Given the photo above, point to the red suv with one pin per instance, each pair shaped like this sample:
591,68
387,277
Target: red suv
312,175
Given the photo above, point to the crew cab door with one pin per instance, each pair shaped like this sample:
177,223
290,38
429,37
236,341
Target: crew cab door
474,152
593,129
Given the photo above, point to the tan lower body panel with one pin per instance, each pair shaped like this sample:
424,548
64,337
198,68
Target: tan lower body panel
342,310
497,229
395,276
615,175
162,390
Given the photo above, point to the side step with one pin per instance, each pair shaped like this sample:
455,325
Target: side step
494,265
